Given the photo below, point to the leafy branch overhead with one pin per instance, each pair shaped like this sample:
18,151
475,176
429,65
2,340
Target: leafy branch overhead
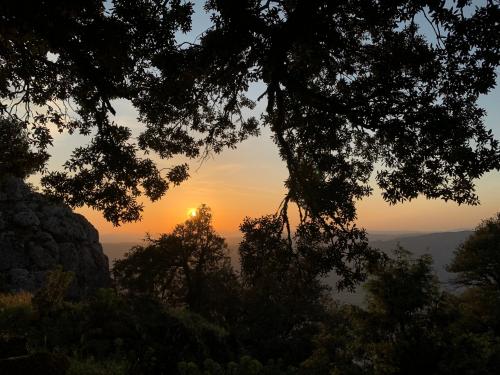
349,86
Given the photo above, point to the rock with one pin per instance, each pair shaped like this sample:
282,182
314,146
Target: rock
36,235
20,279
26,218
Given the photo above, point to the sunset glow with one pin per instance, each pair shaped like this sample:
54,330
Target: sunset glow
191,212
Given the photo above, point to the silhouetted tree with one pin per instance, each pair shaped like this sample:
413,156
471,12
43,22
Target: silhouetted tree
337,347
476,264
282,292
477,261
17,158
349,85
188,267
63,63
408,326
402,328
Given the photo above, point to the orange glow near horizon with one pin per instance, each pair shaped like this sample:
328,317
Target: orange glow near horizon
231,202
191,213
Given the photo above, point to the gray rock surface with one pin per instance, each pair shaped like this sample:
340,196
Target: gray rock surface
36,235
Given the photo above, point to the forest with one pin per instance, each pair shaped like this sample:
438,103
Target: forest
357,96
177,306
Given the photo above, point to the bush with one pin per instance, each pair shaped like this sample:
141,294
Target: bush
16,314
92,367
51,296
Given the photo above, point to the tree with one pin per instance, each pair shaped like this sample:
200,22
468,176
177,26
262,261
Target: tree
402,288
282,292
337,346
477,261
188,267
62,64
403,326
476,264
349,85
408,326
16,157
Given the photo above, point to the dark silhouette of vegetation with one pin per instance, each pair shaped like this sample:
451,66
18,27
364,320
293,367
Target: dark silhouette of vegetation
282,318
477,261
189,267
352,89
52,295
477,266
348,85
17,158
282,292
403,317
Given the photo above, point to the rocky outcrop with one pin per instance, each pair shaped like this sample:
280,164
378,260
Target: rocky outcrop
36,235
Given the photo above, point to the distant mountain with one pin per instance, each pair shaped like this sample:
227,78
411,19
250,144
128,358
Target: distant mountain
391,235
440,245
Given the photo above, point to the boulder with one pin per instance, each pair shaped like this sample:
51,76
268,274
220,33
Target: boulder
37,234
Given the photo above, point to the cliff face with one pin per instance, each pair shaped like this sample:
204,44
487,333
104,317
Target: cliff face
36,235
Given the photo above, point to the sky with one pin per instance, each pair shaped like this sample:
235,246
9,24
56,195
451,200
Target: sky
248,181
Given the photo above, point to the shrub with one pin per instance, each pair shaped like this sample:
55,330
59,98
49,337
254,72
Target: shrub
93,367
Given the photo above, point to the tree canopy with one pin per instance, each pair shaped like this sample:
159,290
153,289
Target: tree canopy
351,88
17,158
477,261
283,292
188,267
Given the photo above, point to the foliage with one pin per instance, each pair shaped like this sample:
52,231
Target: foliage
337,347
40,363
63,63
16,315
347,86
51,296
433,332
17,158
282,291
113,333
15,299
402,288
92,367
3,282
189,267
477,261
287,322
245,366
402,322
480,309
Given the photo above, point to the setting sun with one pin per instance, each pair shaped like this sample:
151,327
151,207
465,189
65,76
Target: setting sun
192,212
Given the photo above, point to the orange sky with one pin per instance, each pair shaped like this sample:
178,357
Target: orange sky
234,191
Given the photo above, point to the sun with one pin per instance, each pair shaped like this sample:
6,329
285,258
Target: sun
192,212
